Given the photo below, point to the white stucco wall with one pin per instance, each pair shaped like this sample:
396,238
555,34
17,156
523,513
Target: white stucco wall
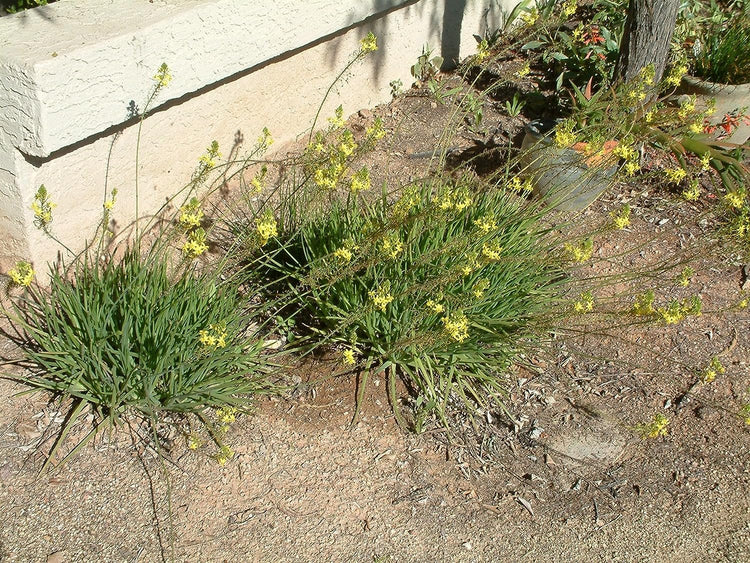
68,72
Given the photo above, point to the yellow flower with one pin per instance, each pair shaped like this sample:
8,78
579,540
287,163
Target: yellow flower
381,297
226,415
621,219
631,167
360,181
392,246
524,70
647,74
492,250
675,175
564,136
650,114
22,275
693,192
196,243
657,427
191,214
162,76
580,252
684,278
675,74
376,131
706,161
266,228
208,160
42,207
457,326
258,180
480,287
225,454
585,303
714,368
696,127
347,145
529,18
214,337
435,306
347,357
369,43
569,8
337,121
672,313
516,185
194,442
486,224
343,254
735,199
265,140
110,203
686,107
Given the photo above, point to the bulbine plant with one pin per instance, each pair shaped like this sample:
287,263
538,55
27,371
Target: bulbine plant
139,328
439,287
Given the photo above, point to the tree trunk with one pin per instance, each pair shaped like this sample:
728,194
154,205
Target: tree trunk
648,30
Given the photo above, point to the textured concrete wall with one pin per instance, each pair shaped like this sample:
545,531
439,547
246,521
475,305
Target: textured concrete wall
69,71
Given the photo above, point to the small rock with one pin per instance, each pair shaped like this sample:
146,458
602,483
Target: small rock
57,557
365,113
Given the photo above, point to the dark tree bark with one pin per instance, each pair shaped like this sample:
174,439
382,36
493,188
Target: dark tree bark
648,30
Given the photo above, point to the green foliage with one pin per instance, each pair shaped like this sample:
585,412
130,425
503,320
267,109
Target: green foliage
427,66
725,54
126,337
440,286
13,6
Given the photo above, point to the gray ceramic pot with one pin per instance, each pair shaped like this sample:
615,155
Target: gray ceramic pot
561,175
728,99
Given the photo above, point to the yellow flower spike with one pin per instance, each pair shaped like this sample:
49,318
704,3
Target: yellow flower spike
675,74
42,207
258,180
226,415
194,442
224,455
672,313
435,306
191,214
492,250
530,17
391,246
343,254
657,427
162,77
265,140
368,43
376,131
675,175
713,369
621,219
381,297
266,228
564,136
585,303
22,274
360,182
735,199
457,326
524,70
693,192
196,243
569,8
687,107
337,121
347,357
486,224
706,161
684,278
110,203
480,287
580,252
